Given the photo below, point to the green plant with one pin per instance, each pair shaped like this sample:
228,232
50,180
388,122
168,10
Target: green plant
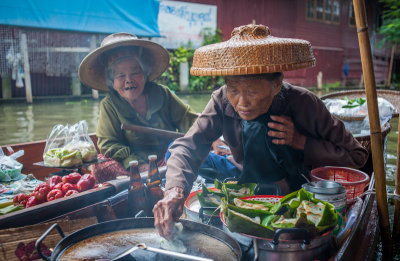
181,55
352,103
328,86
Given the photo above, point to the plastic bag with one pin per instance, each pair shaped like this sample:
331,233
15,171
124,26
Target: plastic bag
359,127
69,146
10,168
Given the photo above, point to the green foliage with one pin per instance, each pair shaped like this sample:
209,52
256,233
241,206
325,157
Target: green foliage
183,54
390,28
352,103
329,86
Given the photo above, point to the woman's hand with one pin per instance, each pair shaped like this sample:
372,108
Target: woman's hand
285,132
220,148
168,210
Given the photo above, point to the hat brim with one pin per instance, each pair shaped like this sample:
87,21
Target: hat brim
92,68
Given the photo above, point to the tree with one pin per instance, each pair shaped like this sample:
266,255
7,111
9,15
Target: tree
390,29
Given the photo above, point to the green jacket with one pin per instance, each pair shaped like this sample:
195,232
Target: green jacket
166,111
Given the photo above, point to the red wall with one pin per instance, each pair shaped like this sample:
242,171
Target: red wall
333,44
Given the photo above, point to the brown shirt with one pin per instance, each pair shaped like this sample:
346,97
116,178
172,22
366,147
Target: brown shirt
328,142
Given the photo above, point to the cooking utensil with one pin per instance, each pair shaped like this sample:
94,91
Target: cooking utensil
160,251
199,239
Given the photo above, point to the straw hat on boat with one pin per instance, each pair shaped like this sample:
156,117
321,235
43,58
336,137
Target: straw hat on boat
252,50
92,70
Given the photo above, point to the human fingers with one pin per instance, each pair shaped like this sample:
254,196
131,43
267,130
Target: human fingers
163,219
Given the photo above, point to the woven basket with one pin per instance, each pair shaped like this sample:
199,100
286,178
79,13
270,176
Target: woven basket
392,96
353,180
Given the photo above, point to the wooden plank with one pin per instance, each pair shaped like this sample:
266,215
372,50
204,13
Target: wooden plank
10,238
58,207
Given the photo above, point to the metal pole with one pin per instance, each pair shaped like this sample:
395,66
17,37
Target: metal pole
375,128
396,221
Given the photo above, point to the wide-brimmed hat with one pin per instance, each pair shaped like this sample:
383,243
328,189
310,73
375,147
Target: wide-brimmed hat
93,66
252,50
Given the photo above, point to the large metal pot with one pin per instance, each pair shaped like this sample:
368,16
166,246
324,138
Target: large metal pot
302,248
286,245
201,240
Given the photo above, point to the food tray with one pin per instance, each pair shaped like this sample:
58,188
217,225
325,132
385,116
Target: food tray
84,165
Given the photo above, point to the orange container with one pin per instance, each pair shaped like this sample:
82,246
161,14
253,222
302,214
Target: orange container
353,180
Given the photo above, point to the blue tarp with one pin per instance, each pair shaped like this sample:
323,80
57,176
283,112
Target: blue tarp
98,16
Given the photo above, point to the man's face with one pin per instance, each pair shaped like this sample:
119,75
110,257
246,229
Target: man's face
129,80
251,96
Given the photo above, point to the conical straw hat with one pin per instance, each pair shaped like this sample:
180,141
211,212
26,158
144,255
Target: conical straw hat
252,50
93,66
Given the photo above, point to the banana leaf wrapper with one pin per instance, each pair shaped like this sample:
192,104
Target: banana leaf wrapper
239,222
209,198
243,206
233,191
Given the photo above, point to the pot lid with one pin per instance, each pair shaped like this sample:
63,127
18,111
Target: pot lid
324,187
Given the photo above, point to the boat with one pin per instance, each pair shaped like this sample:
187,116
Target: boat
108,202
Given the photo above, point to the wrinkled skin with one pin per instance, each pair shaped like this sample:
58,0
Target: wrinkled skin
168,210
129,82
285,132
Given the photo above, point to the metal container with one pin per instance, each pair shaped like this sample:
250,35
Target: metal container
201,240
333,193
302,248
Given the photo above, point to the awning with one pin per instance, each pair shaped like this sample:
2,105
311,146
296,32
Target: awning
98,16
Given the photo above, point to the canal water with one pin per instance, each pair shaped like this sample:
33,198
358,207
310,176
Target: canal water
20,122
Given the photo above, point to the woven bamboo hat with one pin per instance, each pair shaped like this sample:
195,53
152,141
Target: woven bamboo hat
252,50
92,70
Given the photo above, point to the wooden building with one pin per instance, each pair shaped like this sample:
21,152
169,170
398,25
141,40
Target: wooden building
328,24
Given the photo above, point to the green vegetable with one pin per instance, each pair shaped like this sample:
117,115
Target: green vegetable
352,103
10,209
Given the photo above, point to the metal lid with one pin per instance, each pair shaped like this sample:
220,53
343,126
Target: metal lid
324,187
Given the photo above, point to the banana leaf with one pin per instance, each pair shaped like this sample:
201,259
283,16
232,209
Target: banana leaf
288,204
233,191
238,222
209,198
250,207
322,214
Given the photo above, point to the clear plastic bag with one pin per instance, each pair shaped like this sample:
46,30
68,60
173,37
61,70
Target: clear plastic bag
69,146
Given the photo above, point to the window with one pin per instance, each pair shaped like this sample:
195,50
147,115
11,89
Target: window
327,11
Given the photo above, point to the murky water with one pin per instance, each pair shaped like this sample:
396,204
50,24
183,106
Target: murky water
23,123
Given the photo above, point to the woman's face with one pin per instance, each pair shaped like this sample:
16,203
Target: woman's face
129,79
251,96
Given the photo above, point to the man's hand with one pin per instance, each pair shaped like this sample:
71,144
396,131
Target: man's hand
168,210
285,132
220,148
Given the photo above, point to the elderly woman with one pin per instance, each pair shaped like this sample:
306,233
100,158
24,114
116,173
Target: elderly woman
276,130
126,66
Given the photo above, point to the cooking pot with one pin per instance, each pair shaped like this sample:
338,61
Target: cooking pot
287,244
107,239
